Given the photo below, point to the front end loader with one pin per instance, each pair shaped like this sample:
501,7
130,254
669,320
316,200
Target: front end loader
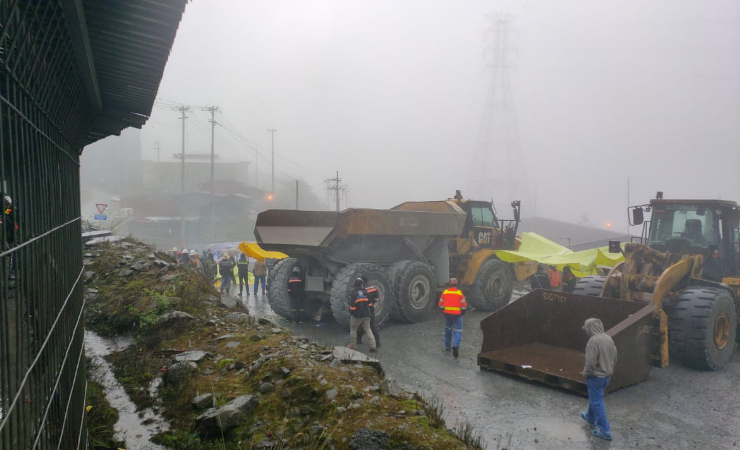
674,296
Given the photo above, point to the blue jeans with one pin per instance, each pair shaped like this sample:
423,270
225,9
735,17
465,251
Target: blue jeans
226,283
258,280
596,410
453,330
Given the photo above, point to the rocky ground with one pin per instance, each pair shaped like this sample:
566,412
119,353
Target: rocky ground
232,381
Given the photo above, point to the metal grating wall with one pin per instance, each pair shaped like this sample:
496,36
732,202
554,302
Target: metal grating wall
44,112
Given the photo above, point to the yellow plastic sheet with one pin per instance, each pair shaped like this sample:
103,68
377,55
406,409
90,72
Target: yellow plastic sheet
537,248
253,250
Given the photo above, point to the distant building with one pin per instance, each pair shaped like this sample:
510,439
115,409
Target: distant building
165,176
576,237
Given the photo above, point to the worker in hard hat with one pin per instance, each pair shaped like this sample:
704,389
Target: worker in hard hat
359,311
243,273
453,305
296,292
260,272
372,296
226,268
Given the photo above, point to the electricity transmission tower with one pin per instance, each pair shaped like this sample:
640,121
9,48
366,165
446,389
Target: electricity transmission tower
498,165
334,189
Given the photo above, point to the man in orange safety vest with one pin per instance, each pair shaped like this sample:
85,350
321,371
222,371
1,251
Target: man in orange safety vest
453,304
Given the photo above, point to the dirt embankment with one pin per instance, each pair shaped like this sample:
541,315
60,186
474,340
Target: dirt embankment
232,382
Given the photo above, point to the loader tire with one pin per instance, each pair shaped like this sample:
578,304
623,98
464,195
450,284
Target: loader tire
344,284
415,290
591,285
701,328
493,286
277,287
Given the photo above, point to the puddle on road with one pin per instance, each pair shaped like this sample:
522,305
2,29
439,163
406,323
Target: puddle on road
130,427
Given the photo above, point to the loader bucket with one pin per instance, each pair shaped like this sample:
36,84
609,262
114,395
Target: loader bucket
540,337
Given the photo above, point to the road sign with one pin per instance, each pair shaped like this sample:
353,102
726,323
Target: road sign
101,217
101,207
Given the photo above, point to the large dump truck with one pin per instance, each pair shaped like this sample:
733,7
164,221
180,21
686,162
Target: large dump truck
407,252
675,295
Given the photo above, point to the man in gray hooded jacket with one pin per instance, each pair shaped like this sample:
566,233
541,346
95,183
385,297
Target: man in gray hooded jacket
601,357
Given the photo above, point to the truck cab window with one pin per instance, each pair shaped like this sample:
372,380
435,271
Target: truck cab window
483,217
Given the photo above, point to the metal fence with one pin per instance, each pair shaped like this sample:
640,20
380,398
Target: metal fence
44,110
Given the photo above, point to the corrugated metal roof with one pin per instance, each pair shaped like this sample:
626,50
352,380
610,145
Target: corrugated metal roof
129,43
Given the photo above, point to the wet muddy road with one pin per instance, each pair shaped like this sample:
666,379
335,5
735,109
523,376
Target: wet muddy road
678,408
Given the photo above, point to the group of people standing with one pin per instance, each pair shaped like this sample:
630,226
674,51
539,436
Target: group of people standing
226,269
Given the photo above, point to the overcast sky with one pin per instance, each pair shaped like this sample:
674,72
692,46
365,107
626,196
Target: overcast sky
391,94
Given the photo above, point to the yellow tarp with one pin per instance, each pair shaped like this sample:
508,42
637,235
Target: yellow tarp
537,248
253,250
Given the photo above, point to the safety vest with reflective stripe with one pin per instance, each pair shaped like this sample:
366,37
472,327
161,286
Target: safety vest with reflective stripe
453,301
372,295
554,276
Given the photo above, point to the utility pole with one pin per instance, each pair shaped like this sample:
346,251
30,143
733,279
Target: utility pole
336,188
296,194
213,110
272,131
183,116
156,145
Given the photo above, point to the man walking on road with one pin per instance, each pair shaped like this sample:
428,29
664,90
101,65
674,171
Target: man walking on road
243,273
601,357
359,310
260,271
453,304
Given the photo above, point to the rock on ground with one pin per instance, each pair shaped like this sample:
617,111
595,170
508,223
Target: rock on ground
349,356
218,420
175,315
365,439
202,401
178,372
195,356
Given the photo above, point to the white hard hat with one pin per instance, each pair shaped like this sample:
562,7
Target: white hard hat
184,250
192,252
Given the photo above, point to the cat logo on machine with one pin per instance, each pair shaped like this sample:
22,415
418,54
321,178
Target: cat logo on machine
483,237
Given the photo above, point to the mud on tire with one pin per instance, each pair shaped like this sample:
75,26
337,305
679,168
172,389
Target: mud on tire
277,287
493,286
702,326
344,283
415,290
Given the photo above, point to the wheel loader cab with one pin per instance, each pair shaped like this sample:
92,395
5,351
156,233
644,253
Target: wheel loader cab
708,228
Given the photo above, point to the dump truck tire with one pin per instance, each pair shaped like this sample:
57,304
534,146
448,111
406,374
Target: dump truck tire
493,286
415,290
591,285
271,273
701,328
277,287
344,284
